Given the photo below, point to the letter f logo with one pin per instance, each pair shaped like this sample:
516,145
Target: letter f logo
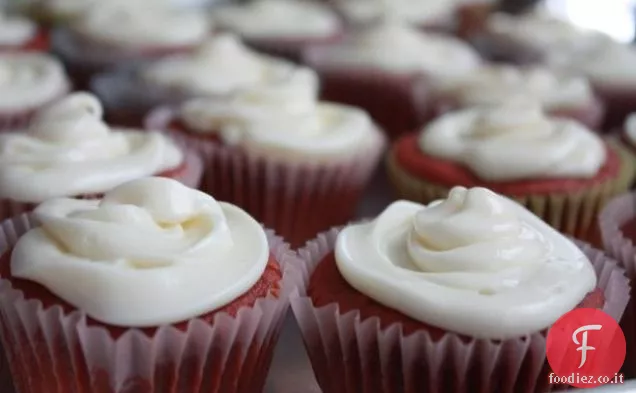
583,344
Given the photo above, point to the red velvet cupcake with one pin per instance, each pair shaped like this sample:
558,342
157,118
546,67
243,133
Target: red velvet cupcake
165,287
455,296
283,28
559,94
558,168
296,164
68,151
388,68
21,34
111,34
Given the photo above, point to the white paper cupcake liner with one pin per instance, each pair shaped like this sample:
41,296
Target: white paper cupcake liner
298,200
51,351
353,355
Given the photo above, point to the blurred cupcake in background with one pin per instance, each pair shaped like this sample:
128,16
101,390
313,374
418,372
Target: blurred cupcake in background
387,69
18,33
219,67
455,296
296,164
164,287
558,168
68,151
280,27
28,82
559,94
112,34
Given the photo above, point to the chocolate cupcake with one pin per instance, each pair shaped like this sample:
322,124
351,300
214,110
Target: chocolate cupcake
558,168
69,151
164,287
454,296
280,27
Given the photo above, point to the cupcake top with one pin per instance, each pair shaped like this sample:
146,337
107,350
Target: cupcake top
221,65
475,263
151,252
420,12
75,8
283,120
141,25
16,30
396,47
500,83
503,143
287,19
29,80
68,150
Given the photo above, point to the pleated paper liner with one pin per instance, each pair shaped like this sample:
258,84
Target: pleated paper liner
572,213
53,352
351,355
296,199
190,175
614,216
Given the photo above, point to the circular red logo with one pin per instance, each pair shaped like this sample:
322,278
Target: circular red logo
585,349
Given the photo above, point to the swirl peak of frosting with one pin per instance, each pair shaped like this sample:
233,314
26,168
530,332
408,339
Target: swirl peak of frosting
475,263
151,252
502,142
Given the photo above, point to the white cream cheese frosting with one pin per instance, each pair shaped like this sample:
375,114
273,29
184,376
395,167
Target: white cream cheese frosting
284,120
220,66
286,19
68,151
475,263
29,80
134,25
151,252
499,83
16,30
419,12
396,47
630,128
514,141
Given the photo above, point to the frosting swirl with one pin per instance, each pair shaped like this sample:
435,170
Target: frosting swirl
134,25
396,47
412,11
16,31
68,150
151,252
29,80
476,263
278,19
498,84
221,65
283,119
502,143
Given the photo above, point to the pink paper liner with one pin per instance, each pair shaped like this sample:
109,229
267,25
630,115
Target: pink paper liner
297,200
46,347
191,176
618,212
350,355
398,103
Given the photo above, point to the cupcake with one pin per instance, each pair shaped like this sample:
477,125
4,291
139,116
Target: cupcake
18,33
559,94
296,164
28,82
454,296
558,168
219,67
164,287
115,33
68,151
280,27
387,68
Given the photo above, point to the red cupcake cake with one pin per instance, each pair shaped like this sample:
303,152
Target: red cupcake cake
454,296
282,28
297,164
69,151
165,287
388,68
558,168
